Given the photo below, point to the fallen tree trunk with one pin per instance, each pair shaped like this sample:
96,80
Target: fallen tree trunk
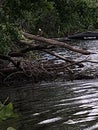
54,42
65,59
39,70
30,48
8,58
43,48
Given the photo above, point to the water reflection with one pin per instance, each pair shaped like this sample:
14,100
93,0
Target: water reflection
55,105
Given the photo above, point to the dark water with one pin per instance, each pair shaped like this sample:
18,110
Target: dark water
62,105
55,106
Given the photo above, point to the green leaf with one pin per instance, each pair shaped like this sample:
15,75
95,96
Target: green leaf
1,105
6,111
10,128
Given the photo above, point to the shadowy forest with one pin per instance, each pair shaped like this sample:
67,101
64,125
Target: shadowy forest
45,19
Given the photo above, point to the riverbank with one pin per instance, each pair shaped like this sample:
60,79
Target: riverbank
54,62
50,70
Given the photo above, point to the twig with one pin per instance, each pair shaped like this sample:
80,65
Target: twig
12,75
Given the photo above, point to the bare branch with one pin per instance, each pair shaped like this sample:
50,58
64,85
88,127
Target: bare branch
3,57
54,42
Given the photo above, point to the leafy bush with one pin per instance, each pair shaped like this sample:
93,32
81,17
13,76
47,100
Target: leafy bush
54,17
8,35
6,112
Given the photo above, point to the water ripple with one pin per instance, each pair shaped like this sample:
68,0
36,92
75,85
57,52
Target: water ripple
57,105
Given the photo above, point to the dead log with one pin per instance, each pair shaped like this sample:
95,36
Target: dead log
8,58
30,48
65,59
58,56
40,47
57,43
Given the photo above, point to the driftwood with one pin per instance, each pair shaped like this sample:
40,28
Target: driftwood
57,43
31,47
40,70
65,59
43,48
16,64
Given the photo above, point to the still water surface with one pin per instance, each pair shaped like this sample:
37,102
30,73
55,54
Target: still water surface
55,105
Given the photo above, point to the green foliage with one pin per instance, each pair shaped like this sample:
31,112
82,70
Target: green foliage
42,15
76,14
54,17
10,128
8,34
6,112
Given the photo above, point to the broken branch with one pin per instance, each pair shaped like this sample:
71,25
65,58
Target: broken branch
54,42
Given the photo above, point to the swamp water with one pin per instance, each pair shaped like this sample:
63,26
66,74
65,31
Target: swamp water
55,105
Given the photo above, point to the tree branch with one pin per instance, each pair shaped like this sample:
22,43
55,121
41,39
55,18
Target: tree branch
17,65
54,42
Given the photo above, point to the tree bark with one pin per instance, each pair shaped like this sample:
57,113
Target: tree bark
65,59
54,42
22,52
16,64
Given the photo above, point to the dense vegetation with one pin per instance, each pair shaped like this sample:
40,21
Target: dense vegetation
56,18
